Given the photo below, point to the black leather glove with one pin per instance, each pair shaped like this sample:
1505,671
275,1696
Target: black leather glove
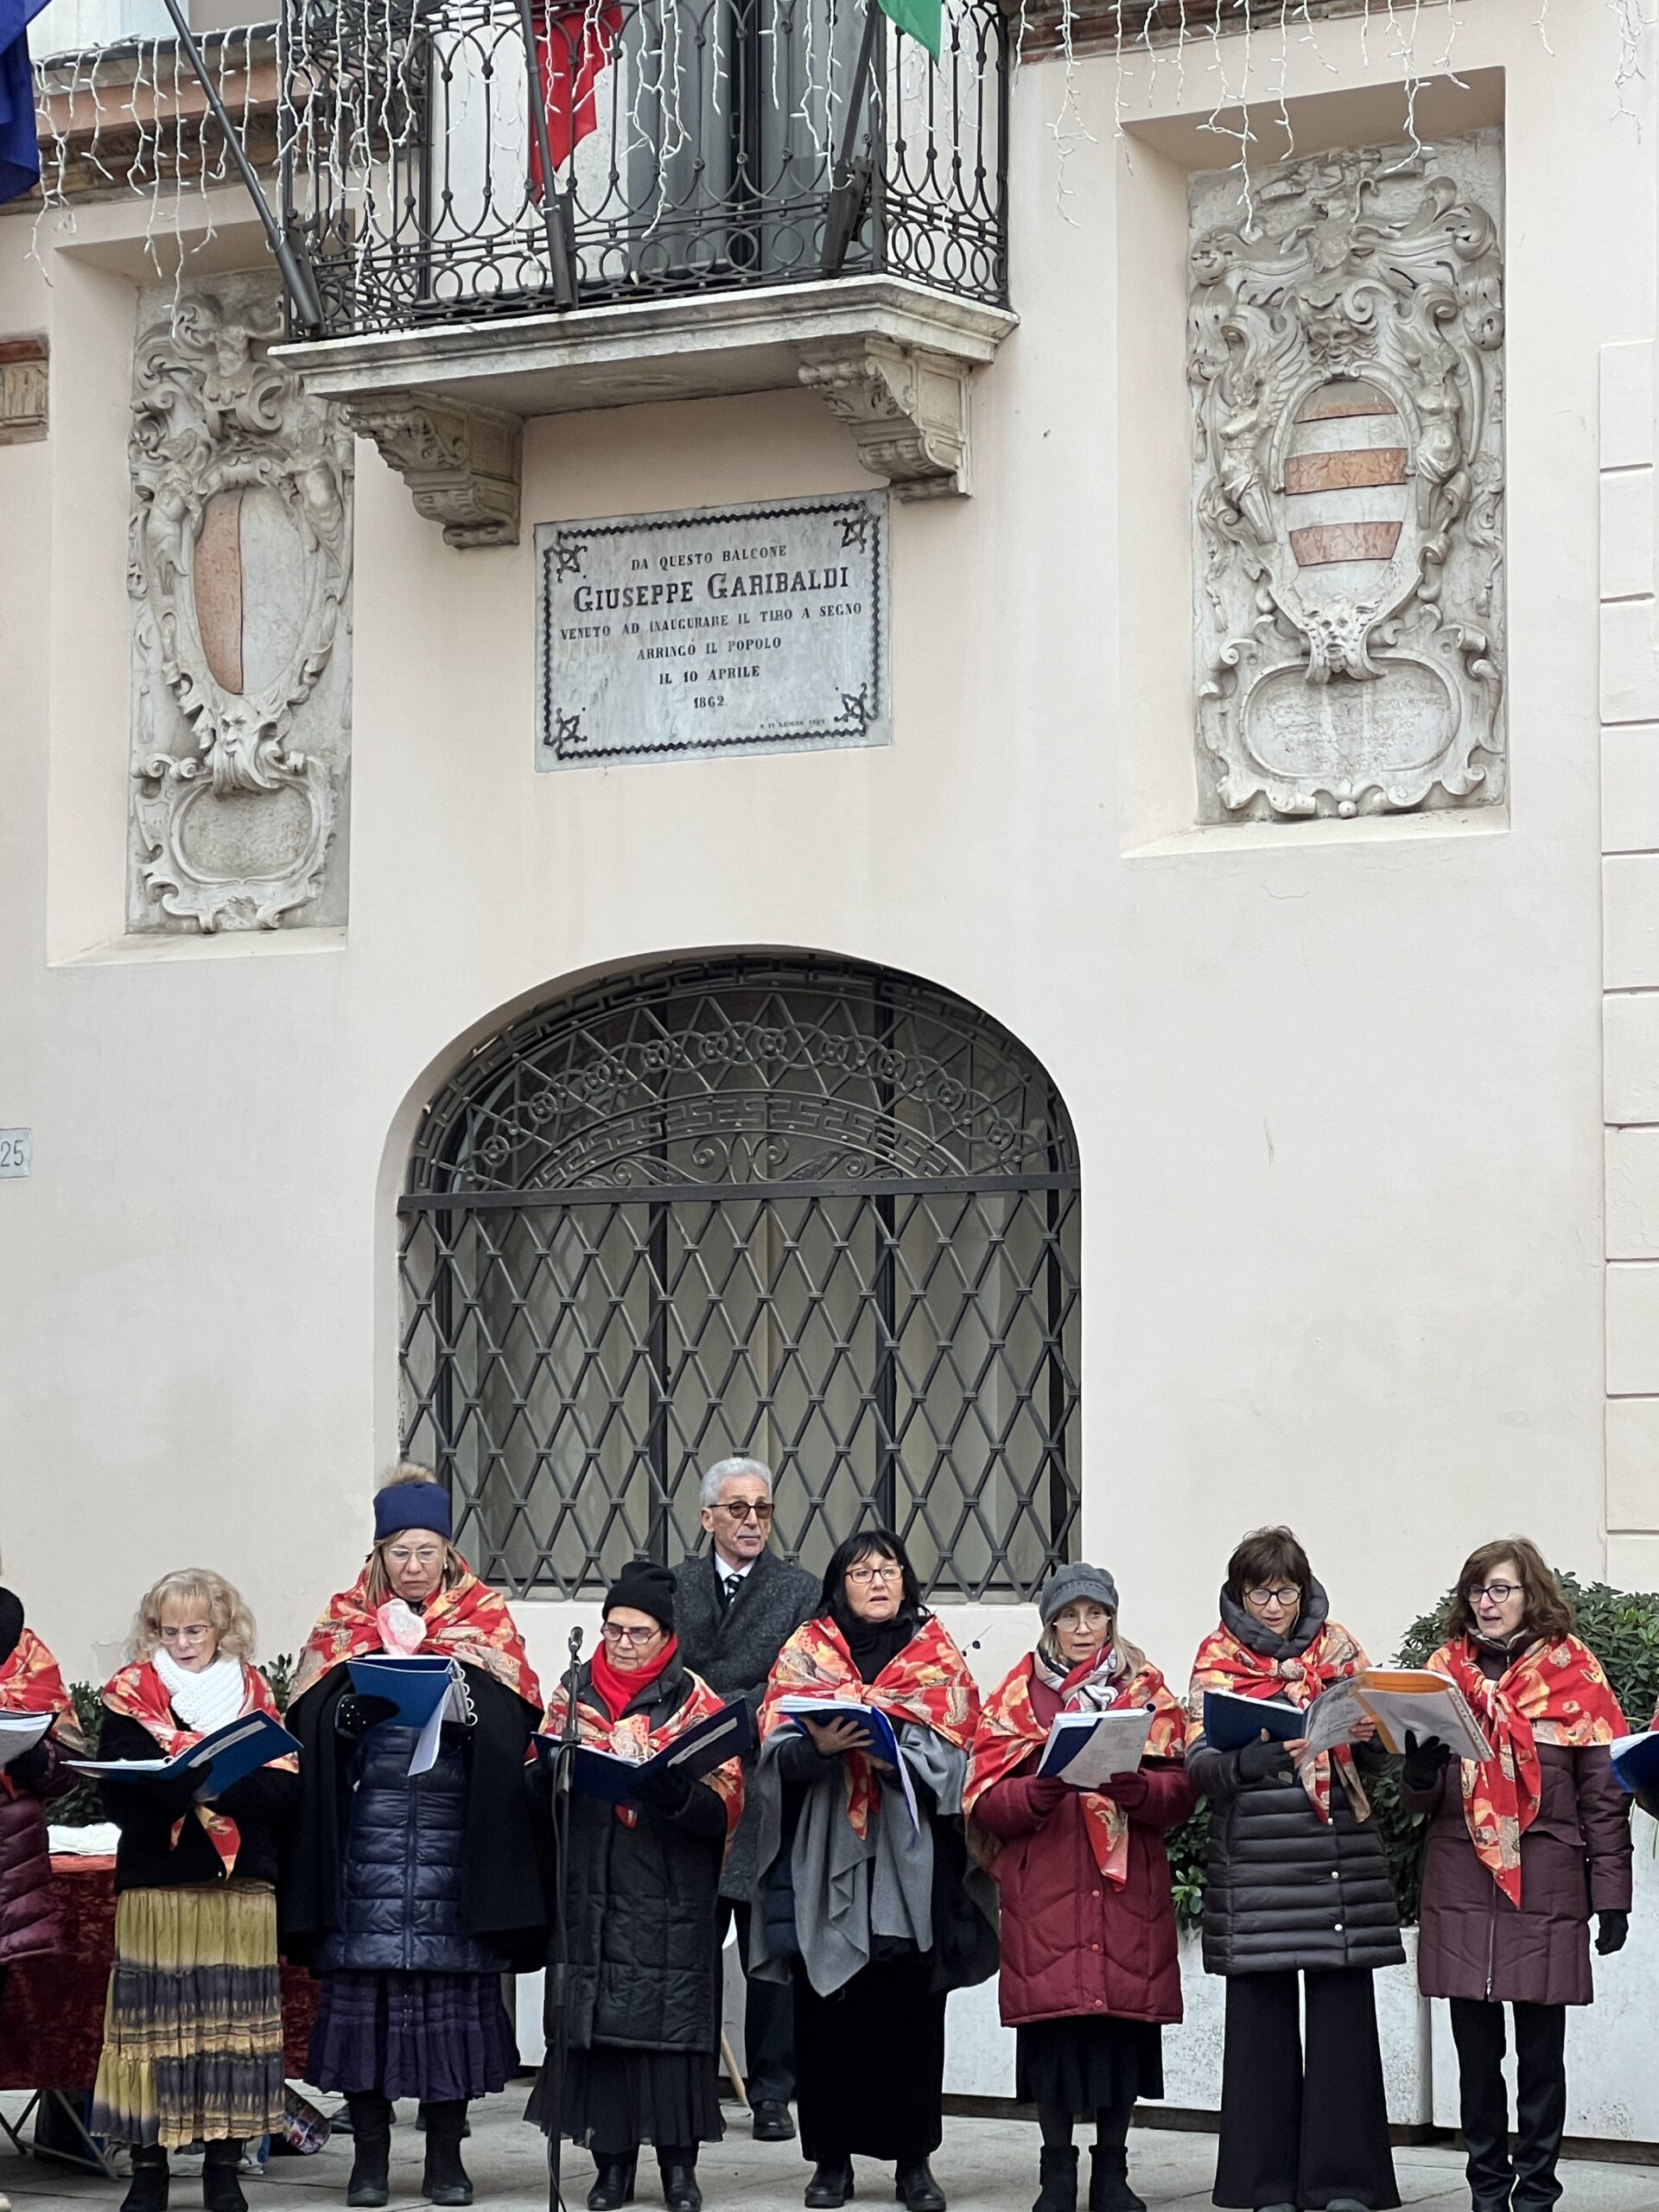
31,1769
1612,1928
355,1716
1425,1762
664,1792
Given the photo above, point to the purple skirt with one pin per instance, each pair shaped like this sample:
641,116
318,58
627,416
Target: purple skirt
441,2038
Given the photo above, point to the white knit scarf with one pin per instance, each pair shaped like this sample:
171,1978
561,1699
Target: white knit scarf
206,1700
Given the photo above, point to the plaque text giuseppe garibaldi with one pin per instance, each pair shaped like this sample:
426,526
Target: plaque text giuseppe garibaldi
757,629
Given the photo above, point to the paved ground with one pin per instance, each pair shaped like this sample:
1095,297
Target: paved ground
986,2166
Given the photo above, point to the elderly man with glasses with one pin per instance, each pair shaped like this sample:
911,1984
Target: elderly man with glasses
737,1604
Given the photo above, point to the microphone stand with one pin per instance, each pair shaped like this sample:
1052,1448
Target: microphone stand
553,2102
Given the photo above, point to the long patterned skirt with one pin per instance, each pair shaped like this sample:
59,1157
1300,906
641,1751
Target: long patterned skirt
192,2027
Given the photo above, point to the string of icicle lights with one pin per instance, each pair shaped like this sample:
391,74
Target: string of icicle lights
345,106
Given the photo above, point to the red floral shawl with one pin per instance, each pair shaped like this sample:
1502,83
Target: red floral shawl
927,1682
470,1623
1554,1692
139,1693
30,1683
1224,1663
1009,1730
634,1738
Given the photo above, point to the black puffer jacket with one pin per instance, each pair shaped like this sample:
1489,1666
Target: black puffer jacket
643,1966
400,1899
1285,1889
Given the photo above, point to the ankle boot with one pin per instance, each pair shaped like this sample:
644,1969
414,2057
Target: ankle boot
915,2187
831,2184
220,2189
678,2169
1057,2172
147,2190
1108,2180
370,2117
614,2182
445,2181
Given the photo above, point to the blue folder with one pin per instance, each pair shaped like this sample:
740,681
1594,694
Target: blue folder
1231,1722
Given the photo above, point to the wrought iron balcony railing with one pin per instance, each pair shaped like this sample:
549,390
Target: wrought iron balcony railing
694,146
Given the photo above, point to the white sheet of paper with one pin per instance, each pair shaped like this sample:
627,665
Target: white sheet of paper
455,1706
1108,1743
20,1733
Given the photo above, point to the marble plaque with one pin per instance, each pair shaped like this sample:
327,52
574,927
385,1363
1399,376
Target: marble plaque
755,629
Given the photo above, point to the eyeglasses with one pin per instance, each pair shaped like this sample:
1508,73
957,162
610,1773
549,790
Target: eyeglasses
1499,1593
196,1632
866,1574
613,1634
742,1509
1277,1594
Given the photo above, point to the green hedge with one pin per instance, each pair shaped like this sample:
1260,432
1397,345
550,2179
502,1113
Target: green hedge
1620,1626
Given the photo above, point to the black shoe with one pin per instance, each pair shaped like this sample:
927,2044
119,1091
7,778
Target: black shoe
445,2180
915,2187
612,2184
1058,2173
769,2122
147,2190
220,2189
1109,2181
831,2184
371,2120
679,2172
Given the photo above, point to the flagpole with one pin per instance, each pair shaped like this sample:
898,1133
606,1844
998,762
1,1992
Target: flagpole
298,275
558,245
850,179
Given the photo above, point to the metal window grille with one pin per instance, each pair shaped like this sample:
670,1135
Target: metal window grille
824,1214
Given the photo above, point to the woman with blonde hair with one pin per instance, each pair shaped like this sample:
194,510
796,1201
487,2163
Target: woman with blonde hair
1522,1849
193,2031
412,1894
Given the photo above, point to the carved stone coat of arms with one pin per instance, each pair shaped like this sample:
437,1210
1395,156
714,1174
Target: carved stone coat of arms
1345,340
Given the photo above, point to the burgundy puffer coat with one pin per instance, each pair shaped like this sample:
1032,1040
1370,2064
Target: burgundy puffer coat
1073,1942
28,1910
1575,1859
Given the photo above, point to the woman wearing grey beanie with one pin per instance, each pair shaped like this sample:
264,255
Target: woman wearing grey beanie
1090,1974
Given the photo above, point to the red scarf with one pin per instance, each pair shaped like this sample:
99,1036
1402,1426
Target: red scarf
927,1682
469,1623
1550,1693
1009,1730
630,1736
30,1683
619,1690
1224,1663
139,1694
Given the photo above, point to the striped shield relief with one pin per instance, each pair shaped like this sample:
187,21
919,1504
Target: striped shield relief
1346,488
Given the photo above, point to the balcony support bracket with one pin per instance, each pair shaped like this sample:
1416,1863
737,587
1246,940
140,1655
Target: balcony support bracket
906,407
461,461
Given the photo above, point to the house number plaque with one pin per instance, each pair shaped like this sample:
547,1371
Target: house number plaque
755,629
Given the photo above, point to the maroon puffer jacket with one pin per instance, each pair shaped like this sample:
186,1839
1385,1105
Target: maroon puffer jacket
1575,1859
1073,1942
28,1907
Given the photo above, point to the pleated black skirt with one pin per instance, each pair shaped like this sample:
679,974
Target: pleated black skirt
615,2099
1088,2064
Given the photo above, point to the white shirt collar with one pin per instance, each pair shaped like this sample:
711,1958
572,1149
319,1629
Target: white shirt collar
729,1573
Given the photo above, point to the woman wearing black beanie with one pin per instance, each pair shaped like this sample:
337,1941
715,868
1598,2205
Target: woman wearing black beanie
642,1979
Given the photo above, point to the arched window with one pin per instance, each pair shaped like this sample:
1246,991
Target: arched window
823,1213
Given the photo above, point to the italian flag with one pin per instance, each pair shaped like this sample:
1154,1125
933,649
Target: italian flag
918,19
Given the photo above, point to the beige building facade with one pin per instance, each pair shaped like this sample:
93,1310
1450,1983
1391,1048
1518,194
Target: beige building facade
1347,1002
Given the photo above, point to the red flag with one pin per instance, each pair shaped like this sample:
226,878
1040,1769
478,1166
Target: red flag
573,45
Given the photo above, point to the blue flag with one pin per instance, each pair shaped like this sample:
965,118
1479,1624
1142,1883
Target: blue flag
20,152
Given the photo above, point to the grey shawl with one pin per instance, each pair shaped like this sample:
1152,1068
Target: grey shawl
838,1906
